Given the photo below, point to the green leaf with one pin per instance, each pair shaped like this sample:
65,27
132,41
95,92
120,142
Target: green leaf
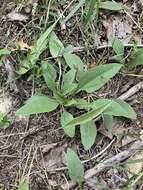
108,121
90,11
88,133
36,51
75,167
136,59
4,121
116,108
49,74
38,104
74,62
111,5
68,82
4,52
23,185
66,118
59,97
40,45
118,47
94,79
124,109
79,103
55,45
89,115
74,10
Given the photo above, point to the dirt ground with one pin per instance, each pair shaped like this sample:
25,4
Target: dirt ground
35,146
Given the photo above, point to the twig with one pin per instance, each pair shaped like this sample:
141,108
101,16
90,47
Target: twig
100,153
131,91
129,15
8,156
117,158
109,163
85,161
107,46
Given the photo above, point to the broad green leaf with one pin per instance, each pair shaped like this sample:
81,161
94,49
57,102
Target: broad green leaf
88,133
75,167
136,59
59,97
124,109
66,118
69,49
4,52
74,10
116,108
40,45
111,5
108,121
49,74
118,47
55,45
23,185
89,115
79,103
94,79
36,51
74,62
68,82
38,104
90,11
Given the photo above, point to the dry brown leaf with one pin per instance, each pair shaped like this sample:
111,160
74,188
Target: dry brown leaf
48,147
92,64
135,168
119,26
23,45
55,158
121,132
127,140
118,130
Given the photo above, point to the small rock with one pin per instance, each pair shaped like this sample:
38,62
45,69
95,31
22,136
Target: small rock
14,16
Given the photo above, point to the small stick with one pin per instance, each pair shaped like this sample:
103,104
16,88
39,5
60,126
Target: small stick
8,156
131,91
85,161
119,157
109,162
81,48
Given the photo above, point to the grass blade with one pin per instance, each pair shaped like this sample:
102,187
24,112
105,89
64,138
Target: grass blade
74,10
90,11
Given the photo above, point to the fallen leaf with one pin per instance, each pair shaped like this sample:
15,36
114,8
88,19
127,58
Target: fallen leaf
14,16
119,26
92,64
55,158
5,102
123,134
135,168
48,147
23,45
